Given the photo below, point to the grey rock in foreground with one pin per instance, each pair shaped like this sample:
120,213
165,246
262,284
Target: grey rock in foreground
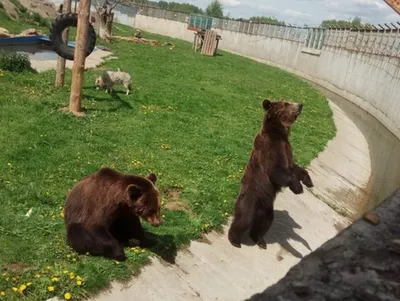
361,263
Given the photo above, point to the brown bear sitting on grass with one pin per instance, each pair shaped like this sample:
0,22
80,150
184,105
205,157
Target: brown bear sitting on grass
102,212
270,168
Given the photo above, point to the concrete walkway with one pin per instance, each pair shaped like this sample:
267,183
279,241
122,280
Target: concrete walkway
216,271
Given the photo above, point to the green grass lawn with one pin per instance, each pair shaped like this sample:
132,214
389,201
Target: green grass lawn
191,119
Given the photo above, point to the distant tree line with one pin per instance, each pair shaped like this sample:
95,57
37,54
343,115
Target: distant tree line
175,6
352,23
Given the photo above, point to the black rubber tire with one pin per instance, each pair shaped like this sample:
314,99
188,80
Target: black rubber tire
62,22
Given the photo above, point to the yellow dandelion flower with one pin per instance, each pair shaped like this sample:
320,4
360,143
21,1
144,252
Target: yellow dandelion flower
143,250
71,275
22,288
2,294
37,276
79,283
206,225
65,272
117,262
79,278
67,296
9,164
62,213
54,279
48,267
29,284
50,288
15,289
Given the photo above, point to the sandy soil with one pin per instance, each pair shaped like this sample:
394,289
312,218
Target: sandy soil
42,7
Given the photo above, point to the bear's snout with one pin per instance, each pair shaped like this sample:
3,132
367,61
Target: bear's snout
154,221
300,107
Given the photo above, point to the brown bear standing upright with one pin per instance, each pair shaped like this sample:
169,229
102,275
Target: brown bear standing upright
102,212
270,168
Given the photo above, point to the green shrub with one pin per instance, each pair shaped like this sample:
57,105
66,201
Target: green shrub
39,20
15,62
23,9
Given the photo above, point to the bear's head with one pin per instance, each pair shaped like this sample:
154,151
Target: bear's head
146,200
283,112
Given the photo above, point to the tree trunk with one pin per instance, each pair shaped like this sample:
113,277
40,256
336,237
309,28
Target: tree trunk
78,69
105,18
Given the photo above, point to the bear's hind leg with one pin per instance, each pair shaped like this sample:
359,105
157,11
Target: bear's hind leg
262,223
106,245
98,242
241,223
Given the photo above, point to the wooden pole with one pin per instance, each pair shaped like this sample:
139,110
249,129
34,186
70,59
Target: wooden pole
60,76
79,58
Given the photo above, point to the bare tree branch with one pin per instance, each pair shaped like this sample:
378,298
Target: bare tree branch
115,4
97,4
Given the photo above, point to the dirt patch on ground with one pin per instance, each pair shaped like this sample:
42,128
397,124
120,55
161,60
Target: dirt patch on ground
174,202
10,9
173,193
177,206
17,267
42,7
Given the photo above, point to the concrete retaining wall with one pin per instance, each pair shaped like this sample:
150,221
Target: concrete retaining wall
368,80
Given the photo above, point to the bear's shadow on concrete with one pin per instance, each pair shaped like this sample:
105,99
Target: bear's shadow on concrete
281,231
163,246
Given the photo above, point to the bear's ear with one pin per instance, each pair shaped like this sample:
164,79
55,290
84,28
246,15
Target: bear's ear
152,177
134,192
266,104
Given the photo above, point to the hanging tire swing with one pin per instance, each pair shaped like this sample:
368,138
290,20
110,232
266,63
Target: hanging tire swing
62,22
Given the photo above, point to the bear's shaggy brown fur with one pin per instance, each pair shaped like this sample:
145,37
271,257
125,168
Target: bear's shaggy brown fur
270,168
102,212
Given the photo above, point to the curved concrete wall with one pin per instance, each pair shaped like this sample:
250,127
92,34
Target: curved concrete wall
368,80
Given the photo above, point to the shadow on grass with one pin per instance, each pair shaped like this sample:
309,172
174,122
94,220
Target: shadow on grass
111,97
280,232
163,246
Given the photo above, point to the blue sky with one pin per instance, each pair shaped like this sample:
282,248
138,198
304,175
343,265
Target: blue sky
311,12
